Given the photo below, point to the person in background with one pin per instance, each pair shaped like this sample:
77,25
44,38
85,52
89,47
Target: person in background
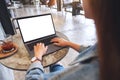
107,66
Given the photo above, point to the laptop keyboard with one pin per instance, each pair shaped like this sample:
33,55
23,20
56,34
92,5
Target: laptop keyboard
45,41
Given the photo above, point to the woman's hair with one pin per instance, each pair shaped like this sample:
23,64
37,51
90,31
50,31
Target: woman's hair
106,14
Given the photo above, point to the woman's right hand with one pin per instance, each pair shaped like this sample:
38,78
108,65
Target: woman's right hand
62,42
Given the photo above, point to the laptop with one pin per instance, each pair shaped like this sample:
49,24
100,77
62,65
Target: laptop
36,29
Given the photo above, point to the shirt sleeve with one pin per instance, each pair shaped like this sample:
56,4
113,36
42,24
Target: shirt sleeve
82,48
85,54
35,71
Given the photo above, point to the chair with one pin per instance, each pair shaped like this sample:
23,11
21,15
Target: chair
44,2
51,3
67,4
76,7
48,3
17,3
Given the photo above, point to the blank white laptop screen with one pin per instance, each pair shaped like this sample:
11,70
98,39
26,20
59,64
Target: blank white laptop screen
36,27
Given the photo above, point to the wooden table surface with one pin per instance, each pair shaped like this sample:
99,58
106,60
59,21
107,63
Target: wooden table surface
21,59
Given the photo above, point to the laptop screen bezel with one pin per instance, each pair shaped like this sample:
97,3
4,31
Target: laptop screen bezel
35,16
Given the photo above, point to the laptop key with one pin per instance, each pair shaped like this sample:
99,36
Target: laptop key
30,46
45,41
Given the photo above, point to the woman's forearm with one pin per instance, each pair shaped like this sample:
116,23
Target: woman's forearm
73,45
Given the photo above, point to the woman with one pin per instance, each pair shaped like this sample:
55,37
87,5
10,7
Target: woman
107,20
106,16
88,69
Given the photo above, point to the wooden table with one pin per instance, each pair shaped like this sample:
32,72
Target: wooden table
21,59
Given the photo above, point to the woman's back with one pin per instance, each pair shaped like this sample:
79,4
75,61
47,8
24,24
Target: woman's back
88,71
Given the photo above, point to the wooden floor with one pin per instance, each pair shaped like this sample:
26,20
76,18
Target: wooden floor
77,28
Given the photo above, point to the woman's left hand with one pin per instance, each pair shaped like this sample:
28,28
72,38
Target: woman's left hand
39,50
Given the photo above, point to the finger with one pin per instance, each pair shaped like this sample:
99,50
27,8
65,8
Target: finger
37,44
34,47
46,48
42,44
56,44
54,39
